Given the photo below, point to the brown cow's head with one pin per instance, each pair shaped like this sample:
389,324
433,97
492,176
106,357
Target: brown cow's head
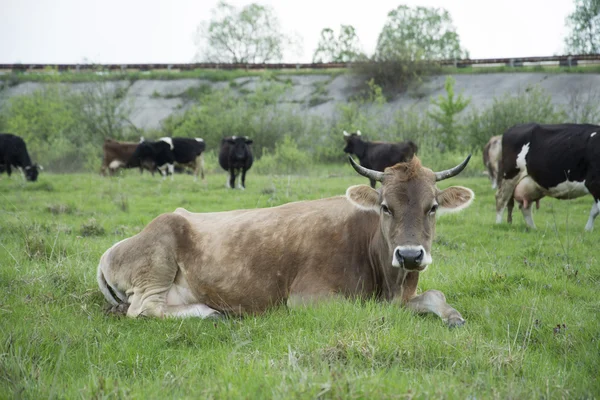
408,202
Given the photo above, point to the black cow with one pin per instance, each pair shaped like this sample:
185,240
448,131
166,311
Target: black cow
13,153
560,161
167,152
235,155
378,155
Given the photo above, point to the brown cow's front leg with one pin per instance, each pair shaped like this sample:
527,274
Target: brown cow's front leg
434,301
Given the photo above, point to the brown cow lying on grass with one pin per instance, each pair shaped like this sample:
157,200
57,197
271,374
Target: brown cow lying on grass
368,243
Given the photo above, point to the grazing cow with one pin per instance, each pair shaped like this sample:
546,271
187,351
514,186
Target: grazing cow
13,153
235,155
378,155
168,152
367,244
117,155
560,161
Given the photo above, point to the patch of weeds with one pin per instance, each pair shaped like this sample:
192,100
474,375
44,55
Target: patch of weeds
91,228
120,93
318,100
244,91
195,93
155,95
39,246
281,79
57,209
320,89
570,272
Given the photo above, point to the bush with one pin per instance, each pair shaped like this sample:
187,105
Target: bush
448,109
259,115
531,105
91,228
65,129
287,159
396,75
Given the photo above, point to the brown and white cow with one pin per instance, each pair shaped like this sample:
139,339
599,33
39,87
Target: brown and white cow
368,243
492,152
117,155
525,193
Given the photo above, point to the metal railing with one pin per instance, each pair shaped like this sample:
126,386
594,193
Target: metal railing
564,60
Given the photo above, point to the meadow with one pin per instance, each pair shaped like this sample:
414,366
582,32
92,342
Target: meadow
530,299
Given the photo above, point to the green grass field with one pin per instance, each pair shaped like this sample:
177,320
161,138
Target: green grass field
513,287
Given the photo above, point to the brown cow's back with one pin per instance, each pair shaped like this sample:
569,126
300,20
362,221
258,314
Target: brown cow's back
211,253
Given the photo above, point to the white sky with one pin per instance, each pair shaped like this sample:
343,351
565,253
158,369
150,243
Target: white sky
161,31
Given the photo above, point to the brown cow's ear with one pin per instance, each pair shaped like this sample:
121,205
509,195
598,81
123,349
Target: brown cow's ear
454,199
363,197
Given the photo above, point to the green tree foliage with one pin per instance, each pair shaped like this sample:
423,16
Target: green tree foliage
104,111
584,24
286,159
419,33
251,34
259,114
63,128
410,42
343,48
446,114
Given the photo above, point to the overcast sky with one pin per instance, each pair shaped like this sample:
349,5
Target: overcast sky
160,31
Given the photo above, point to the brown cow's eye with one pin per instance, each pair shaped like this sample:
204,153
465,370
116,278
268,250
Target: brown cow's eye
433,209
385,209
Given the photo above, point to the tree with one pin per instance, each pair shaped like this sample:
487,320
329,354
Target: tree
104,110
410,42
248,35
445,115
344,48
584,23
418,33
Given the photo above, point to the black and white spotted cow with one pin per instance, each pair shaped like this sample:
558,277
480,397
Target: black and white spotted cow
560,161
13,153
168,152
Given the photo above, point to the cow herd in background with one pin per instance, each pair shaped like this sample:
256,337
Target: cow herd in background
532,161
526,163
169,153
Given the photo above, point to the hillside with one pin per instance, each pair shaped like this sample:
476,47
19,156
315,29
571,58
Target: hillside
151,101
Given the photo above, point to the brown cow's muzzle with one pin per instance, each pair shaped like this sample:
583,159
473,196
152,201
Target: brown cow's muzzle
412,258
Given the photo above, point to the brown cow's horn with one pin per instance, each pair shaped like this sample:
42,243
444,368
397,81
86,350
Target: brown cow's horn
369,173
449,173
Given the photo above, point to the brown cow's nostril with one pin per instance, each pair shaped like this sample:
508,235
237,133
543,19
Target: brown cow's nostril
410,258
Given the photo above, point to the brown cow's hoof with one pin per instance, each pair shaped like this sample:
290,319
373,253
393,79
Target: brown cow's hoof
217,316
118,310
455,321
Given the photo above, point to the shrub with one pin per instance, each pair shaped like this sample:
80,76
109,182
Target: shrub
91,228
531,105
448,109
285,160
